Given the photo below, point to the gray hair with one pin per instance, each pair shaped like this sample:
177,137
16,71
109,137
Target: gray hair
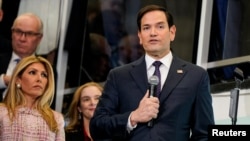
32,15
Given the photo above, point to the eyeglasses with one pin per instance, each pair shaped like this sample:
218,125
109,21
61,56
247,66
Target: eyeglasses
19,32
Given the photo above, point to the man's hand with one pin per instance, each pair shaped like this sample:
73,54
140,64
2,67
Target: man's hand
148,109
6,79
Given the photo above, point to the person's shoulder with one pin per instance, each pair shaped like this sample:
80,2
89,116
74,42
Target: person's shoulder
3,109
189,65
3,106
59,118
58,114
130,65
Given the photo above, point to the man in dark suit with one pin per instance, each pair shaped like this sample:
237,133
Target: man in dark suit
27,32
183,109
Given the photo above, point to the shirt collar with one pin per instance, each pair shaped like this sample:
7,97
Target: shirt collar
166,60
14,56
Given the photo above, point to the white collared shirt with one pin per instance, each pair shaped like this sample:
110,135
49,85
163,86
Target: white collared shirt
164,68
11,66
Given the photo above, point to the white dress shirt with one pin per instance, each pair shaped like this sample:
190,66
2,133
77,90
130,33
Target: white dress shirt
11,67
164,68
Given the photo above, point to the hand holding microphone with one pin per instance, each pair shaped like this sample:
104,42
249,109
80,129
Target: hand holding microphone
153,81
148,107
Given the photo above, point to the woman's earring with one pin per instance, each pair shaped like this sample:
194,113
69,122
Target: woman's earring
79,115
18,85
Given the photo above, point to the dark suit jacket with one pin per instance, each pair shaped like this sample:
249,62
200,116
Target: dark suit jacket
5,44
74,135
4,62
185,104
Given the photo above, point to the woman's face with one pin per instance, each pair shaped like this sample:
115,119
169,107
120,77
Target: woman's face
89,98
34,80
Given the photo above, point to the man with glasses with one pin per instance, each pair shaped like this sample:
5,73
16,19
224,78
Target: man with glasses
27,32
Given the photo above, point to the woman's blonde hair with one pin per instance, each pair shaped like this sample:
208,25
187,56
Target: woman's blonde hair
73,113
15,97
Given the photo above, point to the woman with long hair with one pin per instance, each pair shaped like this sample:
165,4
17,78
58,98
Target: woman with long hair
25,110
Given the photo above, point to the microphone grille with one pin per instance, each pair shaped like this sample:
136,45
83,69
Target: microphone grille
153,80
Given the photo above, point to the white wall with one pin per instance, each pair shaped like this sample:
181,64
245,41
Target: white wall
221,105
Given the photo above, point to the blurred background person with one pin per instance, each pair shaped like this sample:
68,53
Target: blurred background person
105,17
129,49
27,32
81,110
99,54
25,111
5,44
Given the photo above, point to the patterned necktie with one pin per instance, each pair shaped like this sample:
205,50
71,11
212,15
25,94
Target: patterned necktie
17,60
157,72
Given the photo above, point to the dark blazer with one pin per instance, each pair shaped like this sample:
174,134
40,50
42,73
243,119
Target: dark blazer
5,44
4,63
185,104
76,135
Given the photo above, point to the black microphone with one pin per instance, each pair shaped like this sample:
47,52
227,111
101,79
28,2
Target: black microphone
234,97
153,81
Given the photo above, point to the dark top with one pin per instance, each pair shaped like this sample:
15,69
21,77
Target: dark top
5,57
76,135
79,135
5,45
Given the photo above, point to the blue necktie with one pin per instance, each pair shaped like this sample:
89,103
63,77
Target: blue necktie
17,60
157,72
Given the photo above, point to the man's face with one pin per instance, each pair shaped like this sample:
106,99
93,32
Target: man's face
25,36
155,35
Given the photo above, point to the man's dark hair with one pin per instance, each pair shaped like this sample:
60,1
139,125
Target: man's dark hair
150,8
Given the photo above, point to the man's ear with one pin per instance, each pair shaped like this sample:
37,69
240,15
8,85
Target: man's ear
172,32
139,36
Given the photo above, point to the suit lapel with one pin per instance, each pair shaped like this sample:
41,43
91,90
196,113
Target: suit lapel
4,61
175,75
176,72
139,74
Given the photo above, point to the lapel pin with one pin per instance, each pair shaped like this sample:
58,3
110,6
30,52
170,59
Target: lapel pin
179,71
